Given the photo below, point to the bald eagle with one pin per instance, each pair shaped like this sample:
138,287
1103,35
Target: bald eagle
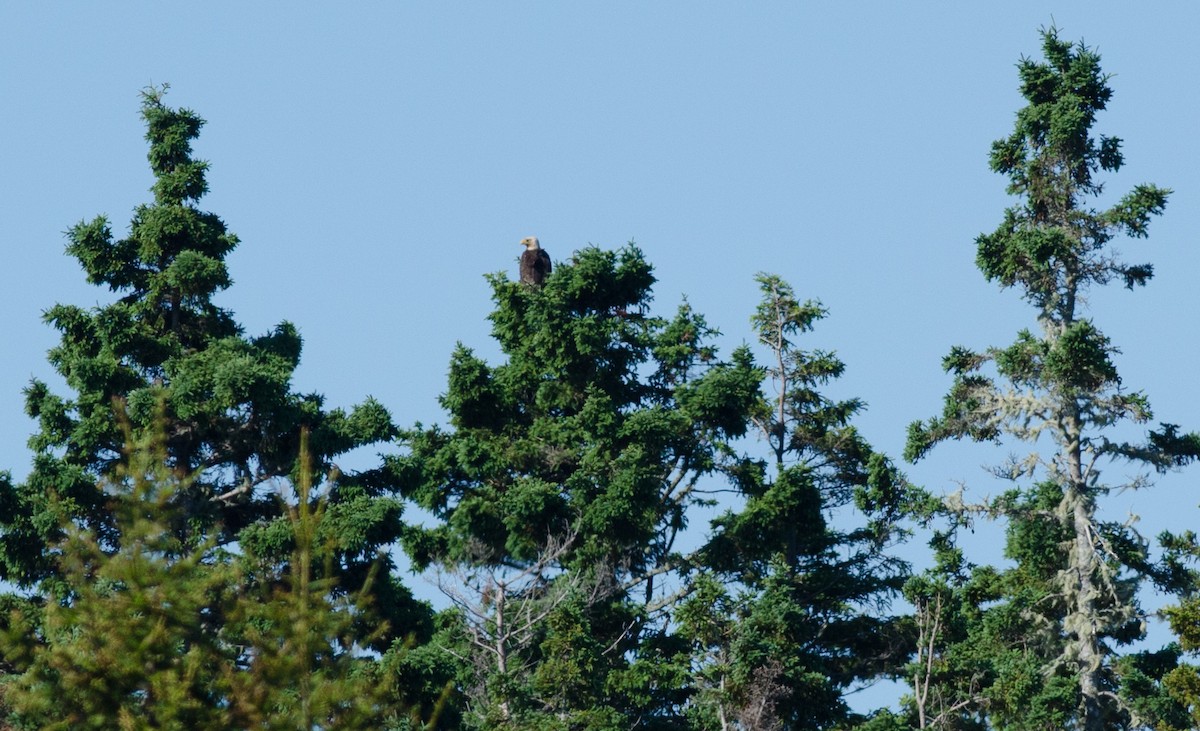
535,262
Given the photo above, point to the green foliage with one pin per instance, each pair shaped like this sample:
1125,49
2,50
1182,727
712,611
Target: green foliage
182,593
1052,246
301,662
570,471
1077,360
149,631
1155,687
785,616
225,422
1041,641
234,419
129,639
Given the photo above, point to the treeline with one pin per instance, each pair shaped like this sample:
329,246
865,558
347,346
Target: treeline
184,553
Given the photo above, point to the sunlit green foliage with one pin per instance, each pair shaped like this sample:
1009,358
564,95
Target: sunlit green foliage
129,639
300,643
166,581
1043,642
235,420
220,404
152,632
789,610
570,472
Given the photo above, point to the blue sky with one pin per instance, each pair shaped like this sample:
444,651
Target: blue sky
377,160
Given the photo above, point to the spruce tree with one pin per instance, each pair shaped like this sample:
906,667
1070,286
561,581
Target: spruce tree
300,661
790,609
154,633
562,489
233,418
1060,618
130,636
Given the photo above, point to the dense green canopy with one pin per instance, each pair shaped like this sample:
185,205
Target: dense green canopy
630,528
1040,645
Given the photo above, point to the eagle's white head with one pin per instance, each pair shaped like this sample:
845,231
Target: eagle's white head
531,243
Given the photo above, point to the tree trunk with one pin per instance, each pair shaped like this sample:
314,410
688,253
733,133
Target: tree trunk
1082,619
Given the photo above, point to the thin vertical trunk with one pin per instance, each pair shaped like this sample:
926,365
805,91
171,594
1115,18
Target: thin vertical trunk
502,647
1082,617
175,301
780,444
721,707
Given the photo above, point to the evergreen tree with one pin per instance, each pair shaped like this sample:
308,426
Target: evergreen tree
977,663
155,633
301,663
1051,641
562,489
129,637
234,421
789,617
1180,682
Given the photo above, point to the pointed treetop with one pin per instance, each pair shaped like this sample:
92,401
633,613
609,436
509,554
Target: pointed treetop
170,132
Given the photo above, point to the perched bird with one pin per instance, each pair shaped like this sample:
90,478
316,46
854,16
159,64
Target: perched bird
535,262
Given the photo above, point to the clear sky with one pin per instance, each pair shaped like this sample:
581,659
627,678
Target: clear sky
376,159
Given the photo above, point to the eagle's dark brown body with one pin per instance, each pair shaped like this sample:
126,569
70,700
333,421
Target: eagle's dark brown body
535,262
